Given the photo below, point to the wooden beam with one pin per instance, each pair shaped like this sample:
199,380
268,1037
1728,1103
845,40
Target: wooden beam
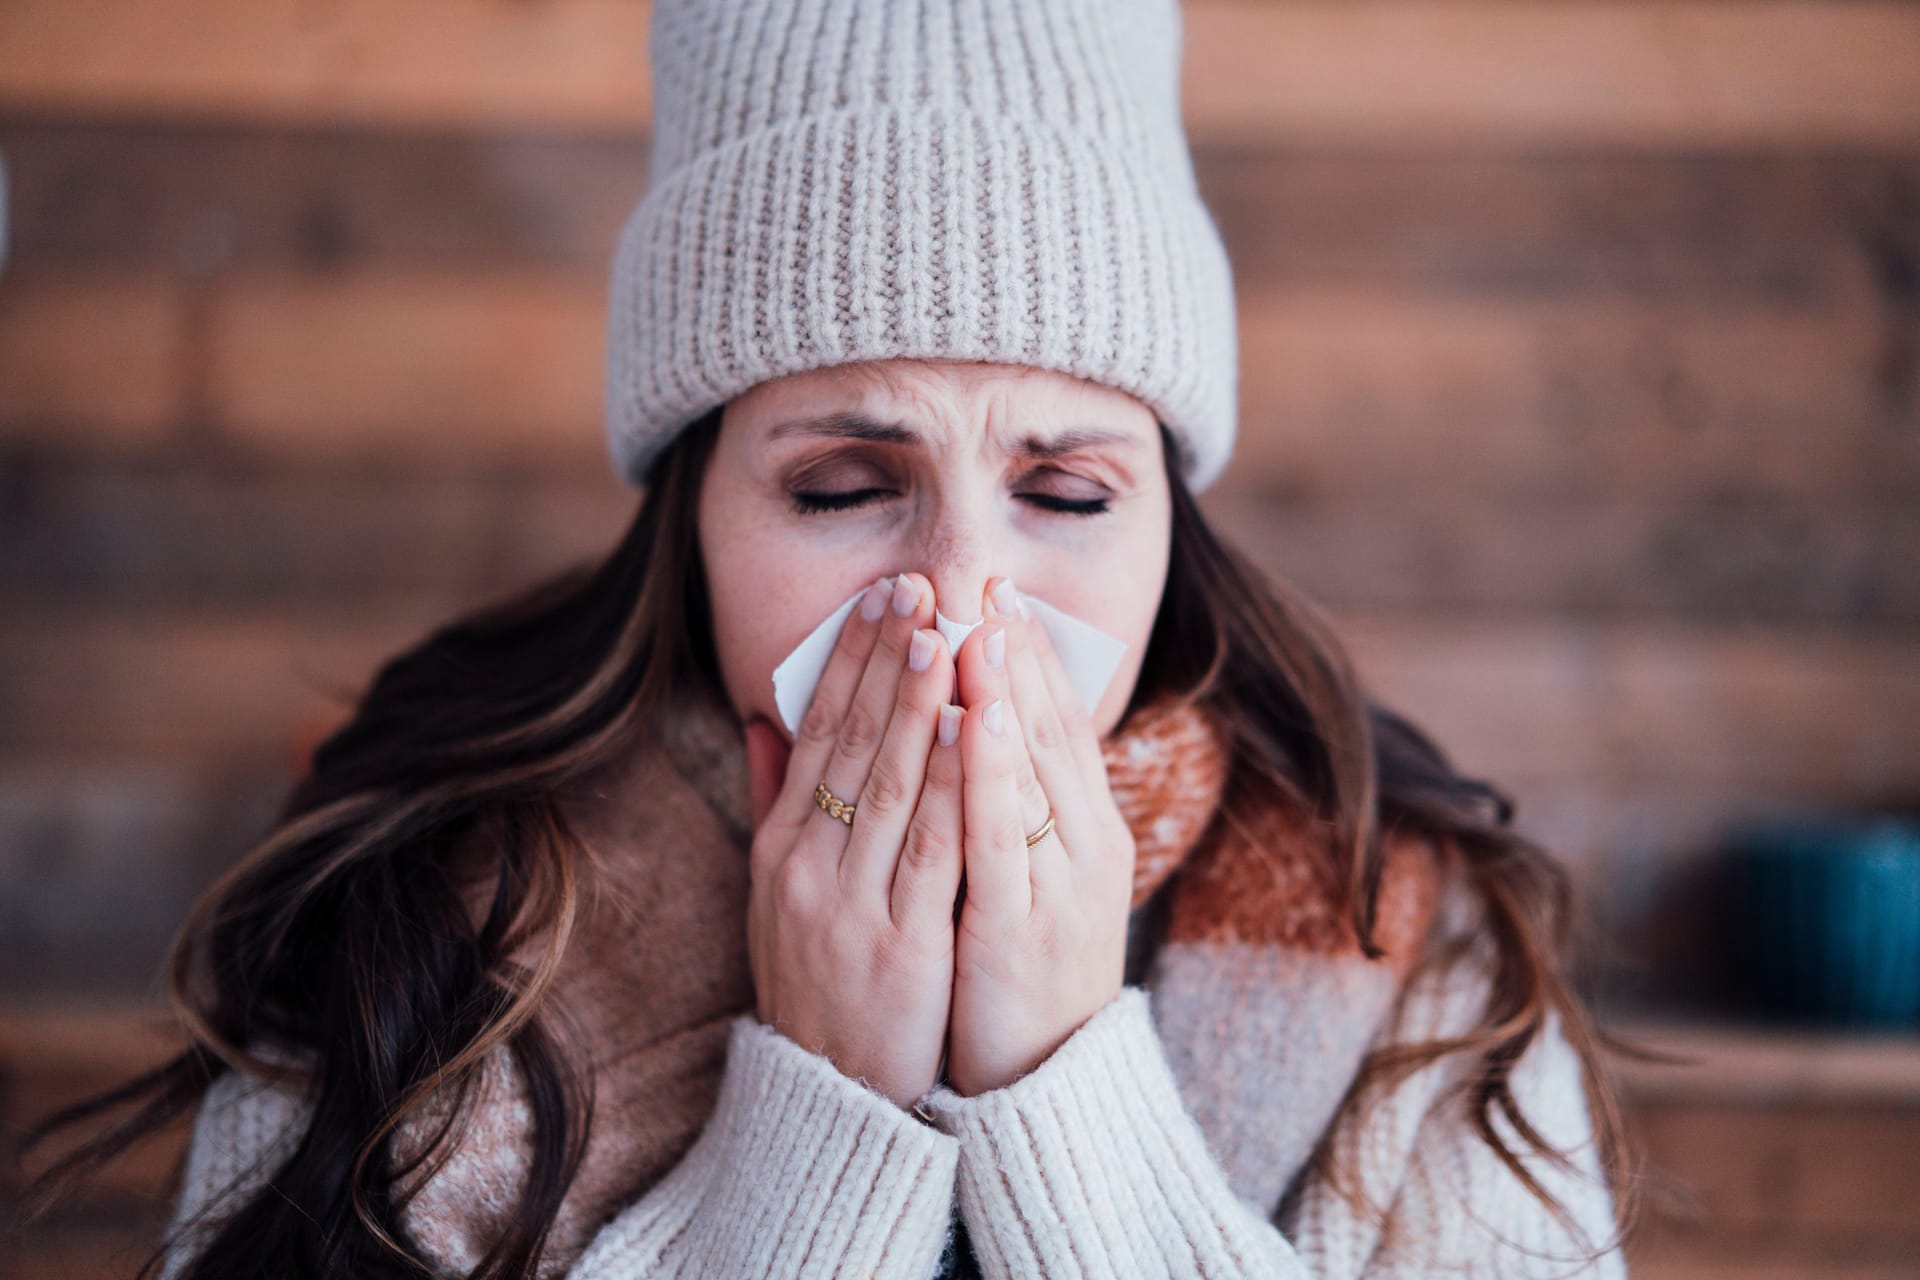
1841,1174
419,366
92,357
99,528
1731,1062
1667,73
461,64
1756,558
1816,714
213,686
1775,228
1344,391
1443,72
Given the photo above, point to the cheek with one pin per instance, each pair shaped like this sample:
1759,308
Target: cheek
1115,583
768,591
748,587
1130,563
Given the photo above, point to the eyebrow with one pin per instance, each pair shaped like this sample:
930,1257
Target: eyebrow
860,426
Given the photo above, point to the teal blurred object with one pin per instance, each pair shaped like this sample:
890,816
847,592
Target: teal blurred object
1828,914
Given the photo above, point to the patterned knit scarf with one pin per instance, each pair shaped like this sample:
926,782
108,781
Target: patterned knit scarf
1261,996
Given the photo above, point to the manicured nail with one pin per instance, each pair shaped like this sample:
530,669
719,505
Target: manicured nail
949,724
920,651
1008,600
874,603
994,717
996,646
906,596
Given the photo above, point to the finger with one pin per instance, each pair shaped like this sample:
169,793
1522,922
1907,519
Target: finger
895,779
820,725
863,726
1048,728
1001,797
926,879
1005,877
993,822
981,671
1082,733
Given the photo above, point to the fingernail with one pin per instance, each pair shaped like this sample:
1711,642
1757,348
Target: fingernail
905,595
996,647
949,724
1008,600
874,603
994,717
920,651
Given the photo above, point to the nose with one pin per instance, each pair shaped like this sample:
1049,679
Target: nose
958,589
959,556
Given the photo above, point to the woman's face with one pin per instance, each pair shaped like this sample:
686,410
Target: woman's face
822,481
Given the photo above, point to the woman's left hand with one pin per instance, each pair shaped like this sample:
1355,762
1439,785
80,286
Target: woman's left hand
1041,940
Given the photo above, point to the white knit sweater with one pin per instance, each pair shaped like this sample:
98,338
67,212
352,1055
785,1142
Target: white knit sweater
1090,1165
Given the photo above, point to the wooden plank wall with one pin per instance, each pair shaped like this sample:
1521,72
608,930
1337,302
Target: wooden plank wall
1581,385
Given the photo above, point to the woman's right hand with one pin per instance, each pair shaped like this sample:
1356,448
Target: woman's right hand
850,927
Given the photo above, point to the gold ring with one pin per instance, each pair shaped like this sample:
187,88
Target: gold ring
1041,834
831,803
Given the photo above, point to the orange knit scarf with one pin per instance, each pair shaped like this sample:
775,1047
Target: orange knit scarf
1167,766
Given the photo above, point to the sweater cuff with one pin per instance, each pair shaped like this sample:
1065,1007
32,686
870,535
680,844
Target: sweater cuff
799,1166
1091,1163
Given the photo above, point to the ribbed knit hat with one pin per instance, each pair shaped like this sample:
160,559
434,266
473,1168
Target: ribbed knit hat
842,180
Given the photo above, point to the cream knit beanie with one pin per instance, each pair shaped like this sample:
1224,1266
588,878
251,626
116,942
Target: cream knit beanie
841,180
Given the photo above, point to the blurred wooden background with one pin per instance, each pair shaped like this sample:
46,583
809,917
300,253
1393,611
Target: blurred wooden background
1580,383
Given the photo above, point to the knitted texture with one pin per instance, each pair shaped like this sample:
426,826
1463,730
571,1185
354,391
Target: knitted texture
1003,180
1170,1135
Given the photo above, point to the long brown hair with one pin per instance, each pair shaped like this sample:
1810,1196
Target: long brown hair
342,941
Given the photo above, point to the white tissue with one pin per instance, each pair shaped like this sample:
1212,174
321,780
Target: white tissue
1089,654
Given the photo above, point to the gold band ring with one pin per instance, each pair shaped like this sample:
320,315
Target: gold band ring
1041,834
831,803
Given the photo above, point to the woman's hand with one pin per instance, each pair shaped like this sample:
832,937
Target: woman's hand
1042,937
851,928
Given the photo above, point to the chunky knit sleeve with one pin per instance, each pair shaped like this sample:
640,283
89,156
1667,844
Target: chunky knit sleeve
1091,1165
800,1171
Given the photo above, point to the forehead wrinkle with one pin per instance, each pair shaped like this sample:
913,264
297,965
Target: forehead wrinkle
921,397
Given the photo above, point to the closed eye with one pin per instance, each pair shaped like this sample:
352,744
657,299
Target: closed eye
1067,506
811,503
807,503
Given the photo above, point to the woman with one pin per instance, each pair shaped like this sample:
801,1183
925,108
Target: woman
569,957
